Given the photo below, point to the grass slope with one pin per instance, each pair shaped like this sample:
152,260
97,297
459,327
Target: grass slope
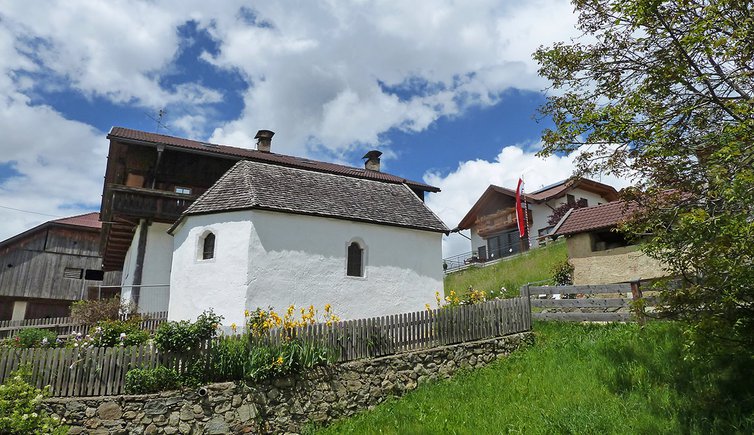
534,265
578,378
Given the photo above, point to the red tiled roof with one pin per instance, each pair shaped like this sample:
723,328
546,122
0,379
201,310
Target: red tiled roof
90,220
248,154
585,219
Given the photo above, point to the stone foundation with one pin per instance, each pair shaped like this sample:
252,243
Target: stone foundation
279,405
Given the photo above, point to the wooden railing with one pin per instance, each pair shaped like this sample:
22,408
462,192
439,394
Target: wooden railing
67,326
149,203
578,303
98,371
496,222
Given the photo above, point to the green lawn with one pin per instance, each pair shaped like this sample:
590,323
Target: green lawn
580,379
534,265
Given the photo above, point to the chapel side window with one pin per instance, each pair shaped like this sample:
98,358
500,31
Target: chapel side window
355,265
208,246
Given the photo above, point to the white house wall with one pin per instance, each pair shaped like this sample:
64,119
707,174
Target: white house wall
155,270
301,260
219,283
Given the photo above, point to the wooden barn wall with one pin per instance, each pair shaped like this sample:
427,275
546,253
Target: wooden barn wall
34,267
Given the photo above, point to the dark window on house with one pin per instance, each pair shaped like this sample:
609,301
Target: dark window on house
72,273
571,200
94,275
584,201
503,245
208,247
603,240
355,265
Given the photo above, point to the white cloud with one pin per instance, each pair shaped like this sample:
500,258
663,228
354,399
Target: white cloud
461,188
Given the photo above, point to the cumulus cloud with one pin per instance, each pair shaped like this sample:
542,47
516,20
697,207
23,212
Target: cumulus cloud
461,187
328,77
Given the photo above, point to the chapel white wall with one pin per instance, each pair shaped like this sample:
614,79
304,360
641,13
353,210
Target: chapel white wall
282,259
219,283
155,269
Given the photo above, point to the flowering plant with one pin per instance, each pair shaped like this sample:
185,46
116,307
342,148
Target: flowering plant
259,321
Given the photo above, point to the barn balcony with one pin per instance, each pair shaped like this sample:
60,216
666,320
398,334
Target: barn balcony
496,222
160,205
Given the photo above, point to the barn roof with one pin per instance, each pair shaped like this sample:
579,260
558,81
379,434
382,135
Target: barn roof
263,186
121,133
87,221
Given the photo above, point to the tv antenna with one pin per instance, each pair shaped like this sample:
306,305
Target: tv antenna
161,114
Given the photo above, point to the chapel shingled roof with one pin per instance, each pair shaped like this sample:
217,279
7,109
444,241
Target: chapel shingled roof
257,185
586,219
269,157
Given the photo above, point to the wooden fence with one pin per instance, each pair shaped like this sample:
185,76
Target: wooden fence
102,371
67,326
578,303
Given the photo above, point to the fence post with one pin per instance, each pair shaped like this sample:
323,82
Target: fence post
638,302
527,303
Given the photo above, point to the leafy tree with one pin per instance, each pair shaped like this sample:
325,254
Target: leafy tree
662,91
562,209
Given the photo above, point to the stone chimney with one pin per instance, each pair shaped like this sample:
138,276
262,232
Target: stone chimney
264,140
373,160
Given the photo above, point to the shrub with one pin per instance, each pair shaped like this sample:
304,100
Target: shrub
89,312
185,336
32,337
562,273
110,333
20,411
144,381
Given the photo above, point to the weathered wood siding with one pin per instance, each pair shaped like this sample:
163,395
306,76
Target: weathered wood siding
34,266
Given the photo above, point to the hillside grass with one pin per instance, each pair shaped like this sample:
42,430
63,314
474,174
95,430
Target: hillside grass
531,266
580,379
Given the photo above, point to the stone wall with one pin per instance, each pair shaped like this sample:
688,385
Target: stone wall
280,405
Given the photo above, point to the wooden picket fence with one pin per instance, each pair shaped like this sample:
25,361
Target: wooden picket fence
67,326
584,306
102,371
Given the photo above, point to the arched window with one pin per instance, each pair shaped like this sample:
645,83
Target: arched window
355,265
208,246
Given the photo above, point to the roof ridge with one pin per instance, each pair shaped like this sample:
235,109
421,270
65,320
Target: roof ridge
75,216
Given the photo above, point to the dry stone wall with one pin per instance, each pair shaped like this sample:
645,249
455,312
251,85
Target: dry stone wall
279,405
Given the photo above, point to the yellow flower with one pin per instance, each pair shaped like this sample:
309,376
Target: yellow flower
279,361
426,306
233,327
246,313
327,307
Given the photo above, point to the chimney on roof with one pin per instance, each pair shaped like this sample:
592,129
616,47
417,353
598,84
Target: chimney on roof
373,160
264,140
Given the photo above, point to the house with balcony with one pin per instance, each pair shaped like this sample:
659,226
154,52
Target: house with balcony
46,268
152,179
494,226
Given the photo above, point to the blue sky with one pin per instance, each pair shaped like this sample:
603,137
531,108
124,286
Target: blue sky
447,91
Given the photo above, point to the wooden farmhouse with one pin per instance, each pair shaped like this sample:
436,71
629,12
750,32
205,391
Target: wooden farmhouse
152,179
44,269
492,219
599,254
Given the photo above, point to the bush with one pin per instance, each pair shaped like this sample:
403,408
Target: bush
32,337
89,312
20,412
185,336
110,333
562,273
144,381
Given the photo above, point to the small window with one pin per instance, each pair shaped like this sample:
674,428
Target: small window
72,273
183,190
355,260
571,200
94,275
584,201
208,247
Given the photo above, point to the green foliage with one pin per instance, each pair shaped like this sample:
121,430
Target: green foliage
562,273
89,312
144,381
110,333
20,411
32,337
663,90
578,378
185,336
509,274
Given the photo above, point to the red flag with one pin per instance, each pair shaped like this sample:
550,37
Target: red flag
520,211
